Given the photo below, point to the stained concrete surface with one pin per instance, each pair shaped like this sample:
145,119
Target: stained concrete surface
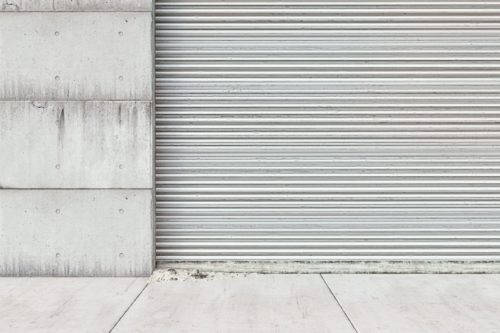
76,79
251,303
75,145
193,301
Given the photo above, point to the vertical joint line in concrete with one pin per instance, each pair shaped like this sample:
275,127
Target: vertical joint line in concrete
128,308
340,305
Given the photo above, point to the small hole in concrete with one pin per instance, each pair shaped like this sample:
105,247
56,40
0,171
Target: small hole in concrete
58,211
56,33
57,77
58,255
120,33
58,166
121,211
120,78
121,255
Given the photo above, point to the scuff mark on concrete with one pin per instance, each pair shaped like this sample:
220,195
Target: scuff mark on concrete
199,275
171,274
60,118
134,124
60,124
120,114
60,309
10,6
39,105
60,131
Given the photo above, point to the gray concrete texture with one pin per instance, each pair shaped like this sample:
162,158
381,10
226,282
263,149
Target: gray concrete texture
40,305
76,145
75,232
191,301
75,56
76,139
76,5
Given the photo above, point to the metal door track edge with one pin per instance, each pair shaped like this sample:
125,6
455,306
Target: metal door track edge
345,267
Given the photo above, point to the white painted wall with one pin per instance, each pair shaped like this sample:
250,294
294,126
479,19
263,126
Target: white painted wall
76,140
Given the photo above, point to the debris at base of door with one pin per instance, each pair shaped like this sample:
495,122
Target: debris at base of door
171,274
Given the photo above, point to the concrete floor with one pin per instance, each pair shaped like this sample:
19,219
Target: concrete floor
181,301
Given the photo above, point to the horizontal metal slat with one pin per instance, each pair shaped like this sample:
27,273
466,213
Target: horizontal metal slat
349,130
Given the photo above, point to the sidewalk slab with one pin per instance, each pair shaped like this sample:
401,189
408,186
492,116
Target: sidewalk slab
237,303
419,303
65,304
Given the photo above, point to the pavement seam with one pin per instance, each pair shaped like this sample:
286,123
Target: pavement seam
128,308
340,305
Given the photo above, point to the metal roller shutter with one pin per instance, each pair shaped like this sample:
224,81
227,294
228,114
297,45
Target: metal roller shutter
331,130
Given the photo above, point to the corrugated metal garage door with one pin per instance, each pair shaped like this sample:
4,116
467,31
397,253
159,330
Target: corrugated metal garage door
357,129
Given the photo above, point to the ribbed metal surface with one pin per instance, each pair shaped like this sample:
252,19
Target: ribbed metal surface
358,129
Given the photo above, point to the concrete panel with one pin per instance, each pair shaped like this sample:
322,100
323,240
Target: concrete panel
75,56
75,145
244,303
75,232
65,305
419,303
78,5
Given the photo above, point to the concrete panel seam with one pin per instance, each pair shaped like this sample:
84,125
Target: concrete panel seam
76,100
338,303
72,188
73,11
128,308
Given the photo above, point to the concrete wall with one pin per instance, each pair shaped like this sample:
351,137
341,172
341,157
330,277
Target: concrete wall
76,137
